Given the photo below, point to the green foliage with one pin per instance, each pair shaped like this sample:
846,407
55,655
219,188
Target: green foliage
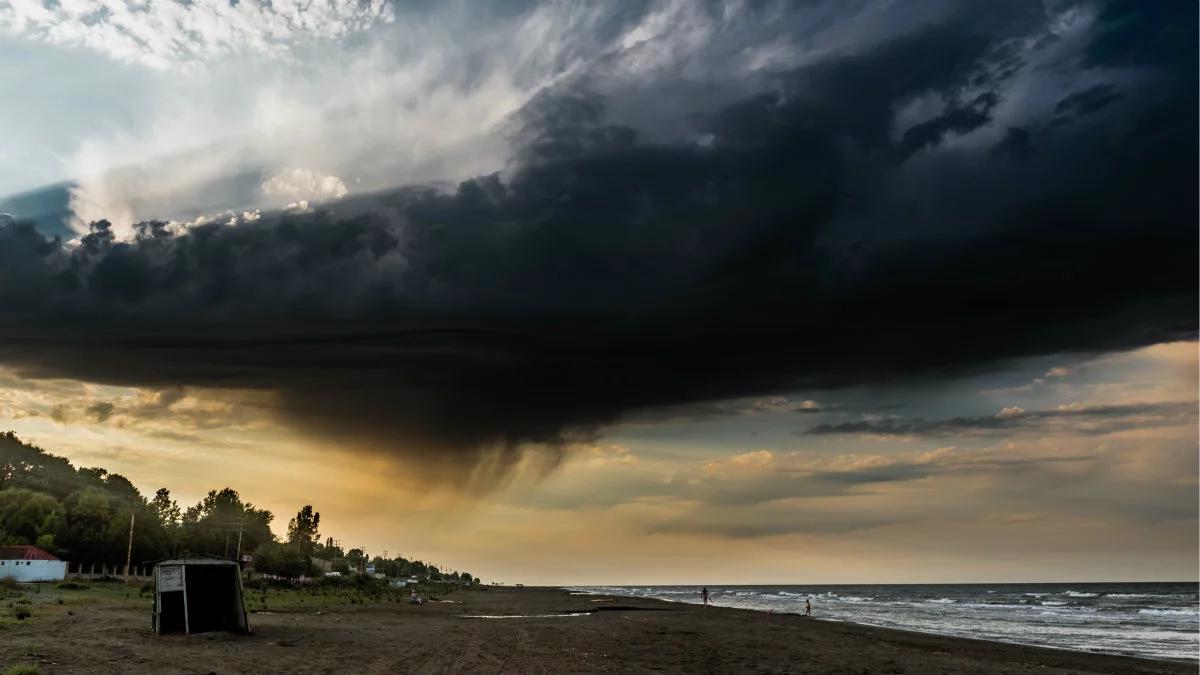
212,525
30,467
22,669
281,560
25,515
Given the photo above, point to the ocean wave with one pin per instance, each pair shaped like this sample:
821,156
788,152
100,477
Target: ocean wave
1058,616
1173,612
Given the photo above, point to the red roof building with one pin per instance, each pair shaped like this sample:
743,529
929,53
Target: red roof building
24,553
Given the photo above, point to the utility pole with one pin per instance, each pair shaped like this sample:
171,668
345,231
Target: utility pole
239,544
129,550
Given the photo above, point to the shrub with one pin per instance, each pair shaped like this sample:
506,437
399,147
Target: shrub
22,613
72,586
8,583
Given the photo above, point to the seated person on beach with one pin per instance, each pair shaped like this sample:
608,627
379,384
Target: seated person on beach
413,598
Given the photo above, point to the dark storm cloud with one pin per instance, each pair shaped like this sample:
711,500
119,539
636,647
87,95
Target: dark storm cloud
1096,419
959,119
1087,101
800,240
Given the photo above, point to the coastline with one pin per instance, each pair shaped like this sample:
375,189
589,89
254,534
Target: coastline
529,630
1195,664
821,614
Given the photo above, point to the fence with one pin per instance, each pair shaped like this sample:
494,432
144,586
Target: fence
93,571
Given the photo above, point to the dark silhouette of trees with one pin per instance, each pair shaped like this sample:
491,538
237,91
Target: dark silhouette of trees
83,515
303,530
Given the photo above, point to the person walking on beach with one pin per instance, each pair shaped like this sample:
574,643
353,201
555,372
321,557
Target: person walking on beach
808,607
704,595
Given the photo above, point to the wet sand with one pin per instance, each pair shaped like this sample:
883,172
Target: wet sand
607,634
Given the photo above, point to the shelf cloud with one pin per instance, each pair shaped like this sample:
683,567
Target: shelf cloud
916,207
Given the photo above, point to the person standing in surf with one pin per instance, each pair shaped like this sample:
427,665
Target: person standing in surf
704,595
808,607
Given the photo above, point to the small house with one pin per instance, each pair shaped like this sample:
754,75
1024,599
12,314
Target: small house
197,595
28,564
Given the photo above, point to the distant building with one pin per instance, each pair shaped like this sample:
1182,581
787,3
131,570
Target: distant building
27,564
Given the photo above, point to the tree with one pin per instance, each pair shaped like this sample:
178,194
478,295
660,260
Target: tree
302,530
28,466
329,550
167,518
164,509
281,560
212,525
88,514
27,515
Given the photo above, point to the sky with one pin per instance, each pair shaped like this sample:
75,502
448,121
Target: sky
657,292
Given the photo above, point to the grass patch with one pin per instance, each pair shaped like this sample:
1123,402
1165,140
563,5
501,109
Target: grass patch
53,602
22,669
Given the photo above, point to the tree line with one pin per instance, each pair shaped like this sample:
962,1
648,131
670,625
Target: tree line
85,514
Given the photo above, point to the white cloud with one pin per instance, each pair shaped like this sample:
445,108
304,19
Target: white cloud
304,185
167,33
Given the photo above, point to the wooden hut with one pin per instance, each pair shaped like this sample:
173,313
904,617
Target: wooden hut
196,595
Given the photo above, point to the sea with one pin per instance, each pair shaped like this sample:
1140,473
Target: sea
1152,620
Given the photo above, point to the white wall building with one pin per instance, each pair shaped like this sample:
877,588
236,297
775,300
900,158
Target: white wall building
27,564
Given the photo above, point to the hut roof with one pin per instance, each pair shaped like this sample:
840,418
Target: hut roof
24,553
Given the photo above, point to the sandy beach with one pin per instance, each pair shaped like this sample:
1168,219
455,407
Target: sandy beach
546,631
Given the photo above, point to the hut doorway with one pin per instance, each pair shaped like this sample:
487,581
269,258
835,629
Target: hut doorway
197,596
